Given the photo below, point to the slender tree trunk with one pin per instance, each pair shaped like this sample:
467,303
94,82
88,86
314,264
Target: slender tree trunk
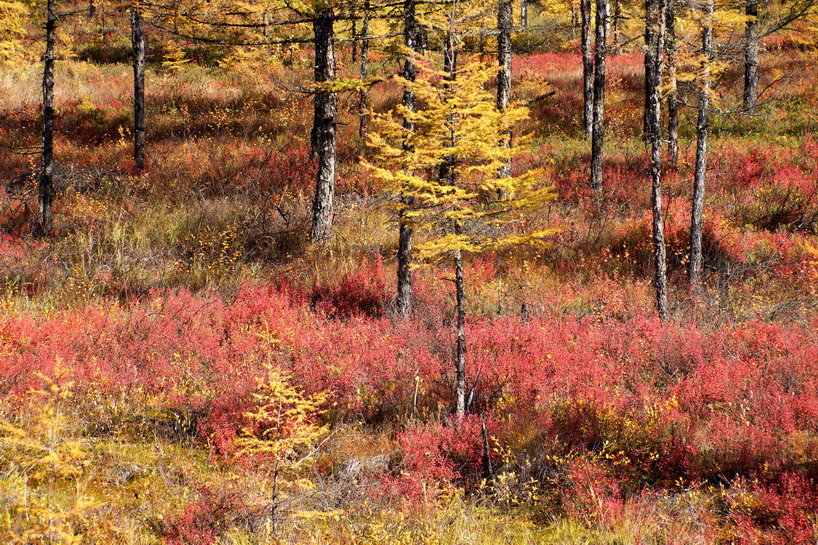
524,13
751,58
673,93
265,19
447,173
323,132
654,36
460,356
138,41
46,183
587,66
651,26
700,173
598,125
92,9
574,20
363,116
412,40
102,29
616,20
354,32
504,23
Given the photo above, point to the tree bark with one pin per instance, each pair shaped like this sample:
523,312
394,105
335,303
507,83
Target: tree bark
587,66
524,13
354,32
504,23
700,173
413,42
616,19
363,116
324,124
265,18
598,125
673,93
138,42
460,356
654,37
751,58
46,182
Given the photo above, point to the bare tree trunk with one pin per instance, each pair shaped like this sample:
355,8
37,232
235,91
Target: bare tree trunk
700,173
616,20
46,183
412,40
654,37
673,93
524,13
574,20
362,104
354,32
323,131
265,19
598,125
504,23
138,41
102,30
587,66
460,356
92,9
751,58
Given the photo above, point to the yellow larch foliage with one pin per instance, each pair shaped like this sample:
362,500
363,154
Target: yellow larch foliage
457,126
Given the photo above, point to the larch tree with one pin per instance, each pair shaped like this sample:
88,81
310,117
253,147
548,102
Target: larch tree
654,46
325,118
672,85
363,115
763,18
46,182
413,46
700,172
750,93
138,58
449,165
504,25
598,111
587,66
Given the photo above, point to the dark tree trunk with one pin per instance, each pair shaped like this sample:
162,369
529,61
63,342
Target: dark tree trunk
413,42
138,42
751,58
323,130
363,116
504,23
616,19
673,94
354,32
654,37
700,173
46,182
587,66
598,125
92,9
460,356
